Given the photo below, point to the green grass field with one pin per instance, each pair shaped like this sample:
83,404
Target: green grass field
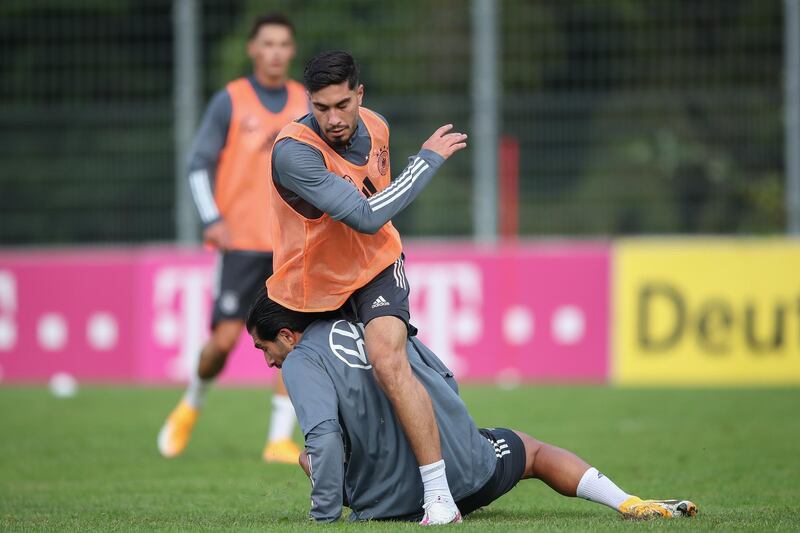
90,462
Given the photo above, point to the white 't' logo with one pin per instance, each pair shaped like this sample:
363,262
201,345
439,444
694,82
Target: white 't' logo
8,310
180,299
451,295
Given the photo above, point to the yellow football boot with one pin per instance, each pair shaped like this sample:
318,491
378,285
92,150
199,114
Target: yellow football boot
177,430
635,508
282,451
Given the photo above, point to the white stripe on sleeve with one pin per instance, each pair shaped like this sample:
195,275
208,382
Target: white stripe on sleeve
402,188
201,191
400,181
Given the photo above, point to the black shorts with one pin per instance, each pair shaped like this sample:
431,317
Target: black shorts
508,471
239,276
510,467
385,295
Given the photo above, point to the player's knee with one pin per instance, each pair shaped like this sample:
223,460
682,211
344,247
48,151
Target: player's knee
391,370
386,335
532,448
224,346
224,338
211,363
386,347
386,344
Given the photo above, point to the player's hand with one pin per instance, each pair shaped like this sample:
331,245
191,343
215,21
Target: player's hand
217,235
304,463
446,143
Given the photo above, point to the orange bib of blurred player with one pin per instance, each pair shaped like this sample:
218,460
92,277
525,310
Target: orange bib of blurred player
319,263
244,173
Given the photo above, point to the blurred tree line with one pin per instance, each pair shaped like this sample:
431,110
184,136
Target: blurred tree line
633,116
647,116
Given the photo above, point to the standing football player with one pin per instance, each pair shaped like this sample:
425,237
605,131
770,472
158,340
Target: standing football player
333,200
230,179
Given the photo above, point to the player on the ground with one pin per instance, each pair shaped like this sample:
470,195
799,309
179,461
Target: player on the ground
229,174
333,199
356,453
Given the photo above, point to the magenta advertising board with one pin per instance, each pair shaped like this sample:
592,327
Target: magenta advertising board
526,312
176,316
530,312
67,311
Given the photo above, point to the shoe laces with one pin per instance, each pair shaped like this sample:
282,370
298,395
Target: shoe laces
439,499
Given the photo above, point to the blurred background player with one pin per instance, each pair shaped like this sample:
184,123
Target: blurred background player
346,419
334,200
229,175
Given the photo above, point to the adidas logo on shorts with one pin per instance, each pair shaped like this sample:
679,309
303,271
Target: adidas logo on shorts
380,301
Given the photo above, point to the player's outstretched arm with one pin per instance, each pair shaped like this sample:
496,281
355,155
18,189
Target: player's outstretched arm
301,169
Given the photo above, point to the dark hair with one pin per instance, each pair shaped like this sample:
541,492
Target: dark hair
268,318
279,19
330,68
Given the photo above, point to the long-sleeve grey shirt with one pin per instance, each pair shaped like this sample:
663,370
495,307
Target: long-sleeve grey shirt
357,450
210,140
306,184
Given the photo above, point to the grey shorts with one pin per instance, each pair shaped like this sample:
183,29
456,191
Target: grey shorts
239,277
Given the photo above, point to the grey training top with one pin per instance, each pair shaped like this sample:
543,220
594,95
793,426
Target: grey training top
210,140
357,449
306,184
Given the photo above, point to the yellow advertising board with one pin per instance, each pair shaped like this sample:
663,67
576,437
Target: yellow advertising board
706,312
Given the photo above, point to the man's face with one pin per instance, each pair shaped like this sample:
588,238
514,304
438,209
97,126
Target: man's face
275,352
272,50
336,109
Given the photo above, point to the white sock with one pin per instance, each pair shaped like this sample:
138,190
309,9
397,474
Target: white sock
281,422
196,392
597,488
434,480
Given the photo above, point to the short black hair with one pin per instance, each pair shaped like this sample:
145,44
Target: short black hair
330,68
279,19
267,318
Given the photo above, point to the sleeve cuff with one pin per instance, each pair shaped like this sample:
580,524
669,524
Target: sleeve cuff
211,223
433,159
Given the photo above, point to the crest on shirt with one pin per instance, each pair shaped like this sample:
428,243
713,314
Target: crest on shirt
346,341
249,124
382,159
